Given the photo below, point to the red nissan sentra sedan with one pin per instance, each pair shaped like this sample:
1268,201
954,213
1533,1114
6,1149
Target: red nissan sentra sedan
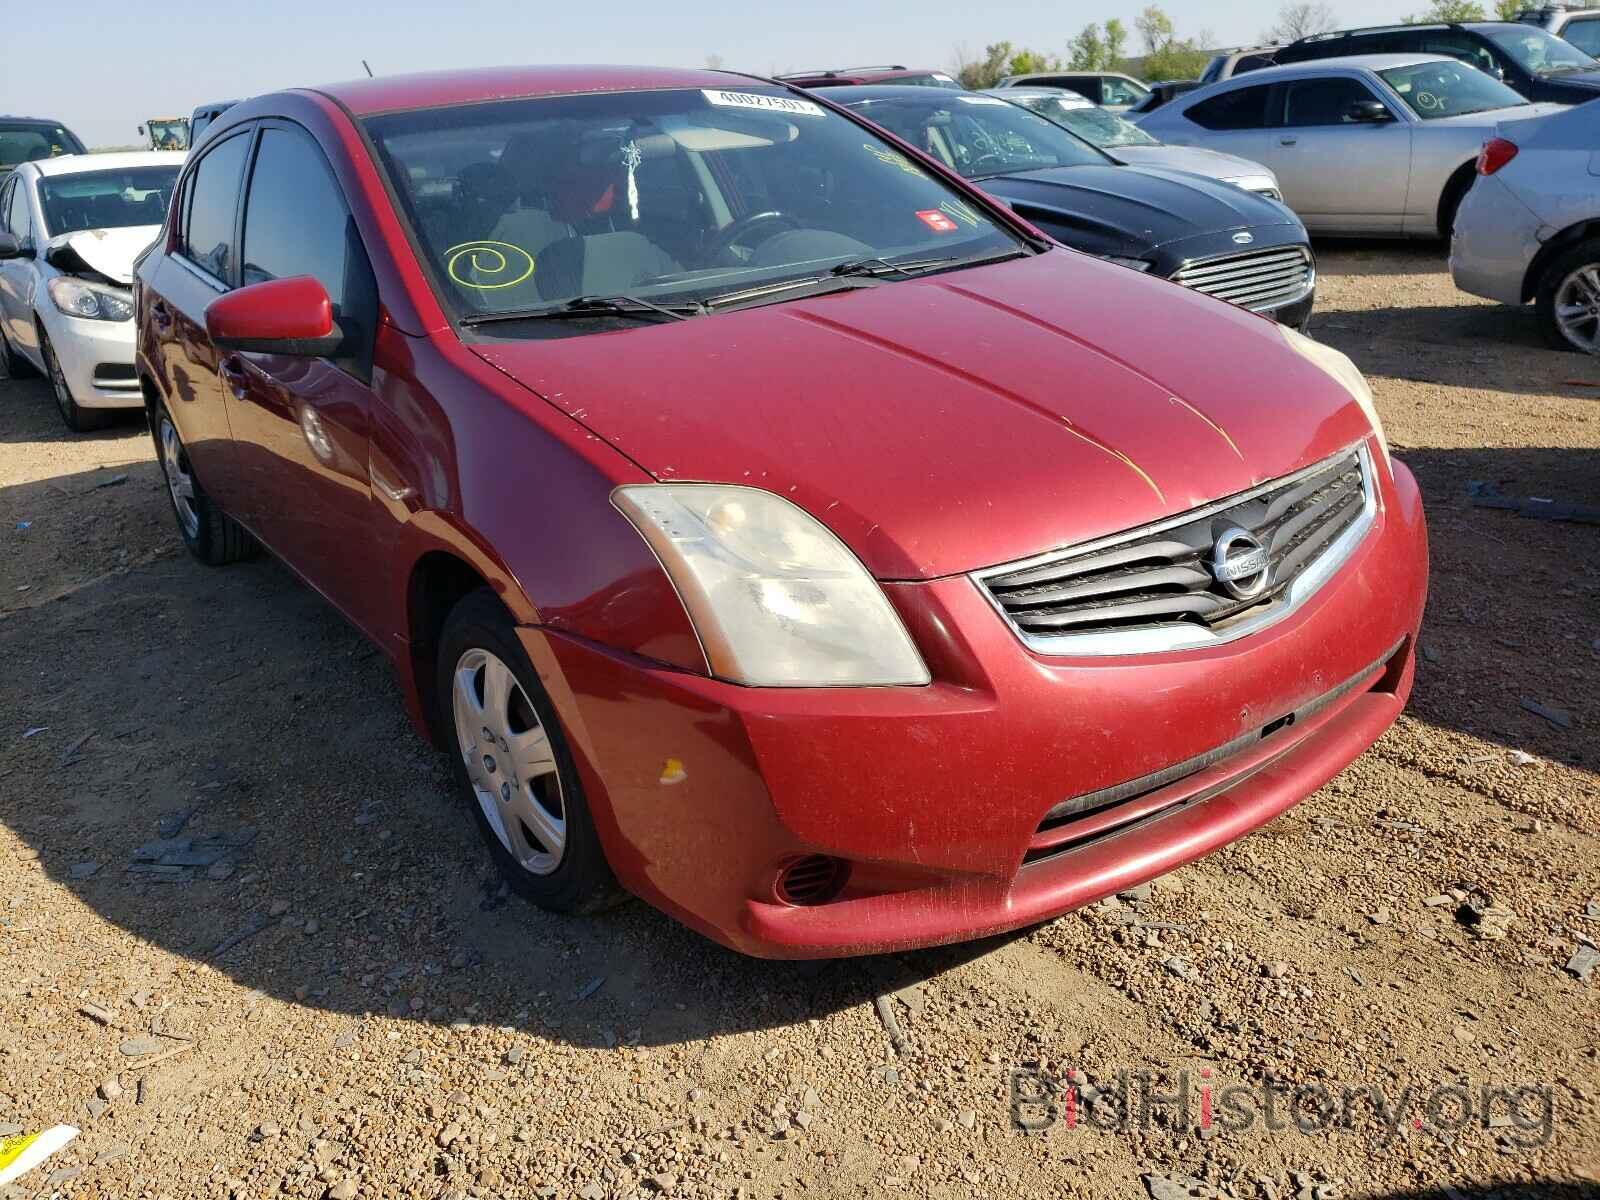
765,520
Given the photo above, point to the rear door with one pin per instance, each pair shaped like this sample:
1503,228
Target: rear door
1237,121
301,426
201,263
1339,174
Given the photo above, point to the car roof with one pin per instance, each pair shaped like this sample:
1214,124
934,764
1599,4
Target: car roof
1071,99
73,164
896,91
433,89
15,119
1367,62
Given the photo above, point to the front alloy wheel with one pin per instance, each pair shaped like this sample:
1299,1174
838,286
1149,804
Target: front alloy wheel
513,764
73,415
510,762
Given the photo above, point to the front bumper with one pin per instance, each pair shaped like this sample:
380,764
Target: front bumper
936,797
97,359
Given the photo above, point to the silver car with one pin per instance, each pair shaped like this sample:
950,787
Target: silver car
1383,144
1526,230
1127,143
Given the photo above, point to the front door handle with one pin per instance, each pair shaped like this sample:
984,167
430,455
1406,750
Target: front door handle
233,372
161,314
1288,141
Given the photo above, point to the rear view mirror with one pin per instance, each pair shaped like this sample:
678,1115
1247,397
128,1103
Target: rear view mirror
9,246
281,316
1368,112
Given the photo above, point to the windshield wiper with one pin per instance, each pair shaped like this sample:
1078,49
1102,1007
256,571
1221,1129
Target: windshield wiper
874,268
590,306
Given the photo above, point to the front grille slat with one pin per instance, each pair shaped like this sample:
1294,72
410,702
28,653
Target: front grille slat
1143,583
1262,279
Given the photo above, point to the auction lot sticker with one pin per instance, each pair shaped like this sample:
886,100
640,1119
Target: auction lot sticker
783,104
936,221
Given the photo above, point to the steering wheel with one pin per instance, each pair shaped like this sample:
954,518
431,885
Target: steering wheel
735,232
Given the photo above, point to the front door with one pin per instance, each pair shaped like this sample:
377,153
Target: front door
19,277
301,426
1338,173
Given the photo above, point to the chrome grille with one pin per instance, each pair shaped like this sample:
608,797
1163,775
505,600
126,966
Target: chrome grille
1259,280
1166,586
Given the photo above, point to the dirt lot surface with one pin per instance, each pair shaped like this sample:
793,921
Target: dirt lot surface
338,999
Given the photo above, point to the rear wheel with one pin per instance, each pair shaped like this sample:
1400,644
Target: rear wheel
1568,297
512,764
75,416
211,535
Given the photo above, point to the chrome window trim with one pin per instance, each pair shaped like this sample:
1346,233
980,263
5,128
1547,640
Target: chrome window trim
199,272
1185,636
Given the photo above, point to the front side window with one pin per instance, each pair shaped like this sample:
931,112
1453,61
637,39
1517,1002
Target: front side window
1448,89
1242,108
1538,52
1121,91
14,208
296,223
30,143
1461,46
212,203
1324,101
677,196
106,199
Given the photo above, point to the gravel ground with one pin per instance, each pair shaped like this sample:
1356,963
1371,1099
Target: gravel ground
336,998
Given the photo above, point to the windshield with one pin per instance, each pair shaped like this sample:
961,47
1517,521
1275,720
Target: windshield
170,133
672,196
28,143
1448,89
1097,126
106,199
1538,52
979,136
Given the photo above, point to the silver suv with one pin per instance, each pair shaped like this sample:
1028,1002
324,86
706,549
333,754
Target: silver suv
1580,26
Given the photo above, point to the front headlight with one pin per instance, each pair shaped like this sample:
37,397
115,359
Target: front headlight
1337,364
79,299
777,599
1136,264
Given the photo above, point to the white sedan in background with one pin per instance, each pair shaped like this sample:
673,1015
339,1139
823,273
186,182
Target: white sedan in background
1527,229
1378,144
70,229
1126,142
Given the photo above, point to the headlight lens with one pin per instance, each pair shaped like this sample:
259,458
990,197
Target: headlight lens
1136,264
79,299
777,599
1338,365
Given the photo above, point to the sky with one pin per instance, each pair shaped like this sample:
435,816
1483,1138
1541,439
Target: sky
103,66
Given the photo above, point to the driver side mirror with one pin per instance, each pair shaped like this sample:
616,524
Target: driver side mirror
10,247
1368,112
280,316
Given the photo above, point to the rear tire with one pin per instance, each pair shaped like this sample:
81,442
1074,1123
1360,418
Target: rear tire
1568,299
211,535
16,367
510,759
73,415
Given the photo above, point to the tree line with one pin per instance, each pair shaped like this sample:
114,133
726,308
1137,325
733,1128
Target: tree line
1167,55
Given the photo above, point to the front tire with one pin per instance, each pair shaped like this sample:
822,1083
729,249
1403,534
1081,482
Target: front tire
1568,298
511,762
211,535
73,415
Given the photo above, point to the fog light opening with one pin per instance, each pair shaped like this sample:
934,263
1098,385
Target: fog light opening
812,880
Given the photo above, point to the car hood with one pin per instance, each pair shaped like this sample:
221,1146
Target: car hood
961,420
1211,163
1133,207
110,252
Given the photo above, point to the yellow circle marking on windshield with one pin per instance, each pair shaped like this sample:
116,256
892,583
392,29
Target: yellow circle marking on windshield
488,259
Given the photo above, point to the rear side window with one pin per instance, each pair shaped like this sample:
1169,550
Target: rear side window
1584,33
296,222
212,204
1323,101
1121,91
1242,108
